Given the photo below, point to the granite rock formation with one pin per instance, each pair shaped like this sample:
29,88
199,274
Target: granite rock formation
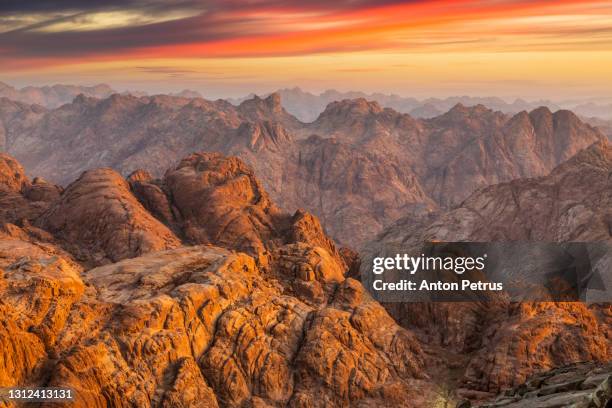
191,290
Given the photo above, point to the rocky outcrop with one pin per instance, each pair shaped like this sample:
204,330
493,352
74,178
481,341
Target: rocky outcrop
578,385
99,220
194,289
12,175
39,285
204,325
558,207
221,202
22,201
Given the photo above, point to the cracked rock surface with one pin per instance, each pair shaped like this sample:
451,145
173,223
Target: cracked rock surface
191,291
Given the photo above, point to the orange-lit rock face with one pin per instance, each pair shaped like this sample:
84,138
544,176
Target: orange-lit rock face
193,325
197,325
101,220
221,202
12,175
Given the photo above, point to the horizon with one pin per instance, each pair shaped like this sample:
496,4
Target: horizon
316,93
533,50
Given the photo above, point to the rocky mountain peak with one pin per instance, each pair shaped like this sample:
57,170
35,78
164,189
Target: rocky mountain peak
269,108
103,298
460,112
274,102
541,117
351,108
99,219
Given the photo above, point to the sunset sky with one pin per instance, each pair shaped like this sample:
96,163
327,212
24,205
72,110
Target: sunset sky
531,49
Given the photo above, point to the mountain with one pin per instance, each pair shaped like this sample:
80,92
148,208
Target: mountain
499,344
189,290
358,166
307,106
53,96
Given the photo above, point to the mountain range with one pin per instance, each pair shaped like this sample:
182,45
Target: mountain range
358,166
173,251
54,95
307,106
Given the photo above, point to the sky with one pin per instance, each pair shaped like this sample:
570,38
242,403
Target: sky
556,49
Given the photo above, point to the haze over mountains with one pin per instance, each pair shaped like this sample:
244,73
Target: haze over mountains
358,166
307,106
54,95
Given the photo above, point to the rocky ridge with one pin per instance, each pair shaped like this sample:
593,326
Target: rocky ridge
578,385
200,292
358,166
52,96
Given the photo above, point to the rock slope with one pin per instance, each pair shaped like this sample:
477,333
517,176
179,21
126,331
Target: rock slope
201,292
191,290
499,345
579,385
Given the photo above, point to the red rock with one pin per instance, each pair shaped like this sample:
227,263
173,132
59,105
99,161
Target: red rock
100,220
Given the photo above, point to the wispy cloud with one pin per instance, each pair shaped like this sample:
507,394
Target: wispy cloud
319,40
68,28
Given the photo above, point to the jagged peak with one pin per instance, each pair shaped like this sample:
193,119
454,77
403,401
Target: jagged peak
12,174
274,99
358,106
521,117
271,103
263,134
118,102
566,115
81,98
